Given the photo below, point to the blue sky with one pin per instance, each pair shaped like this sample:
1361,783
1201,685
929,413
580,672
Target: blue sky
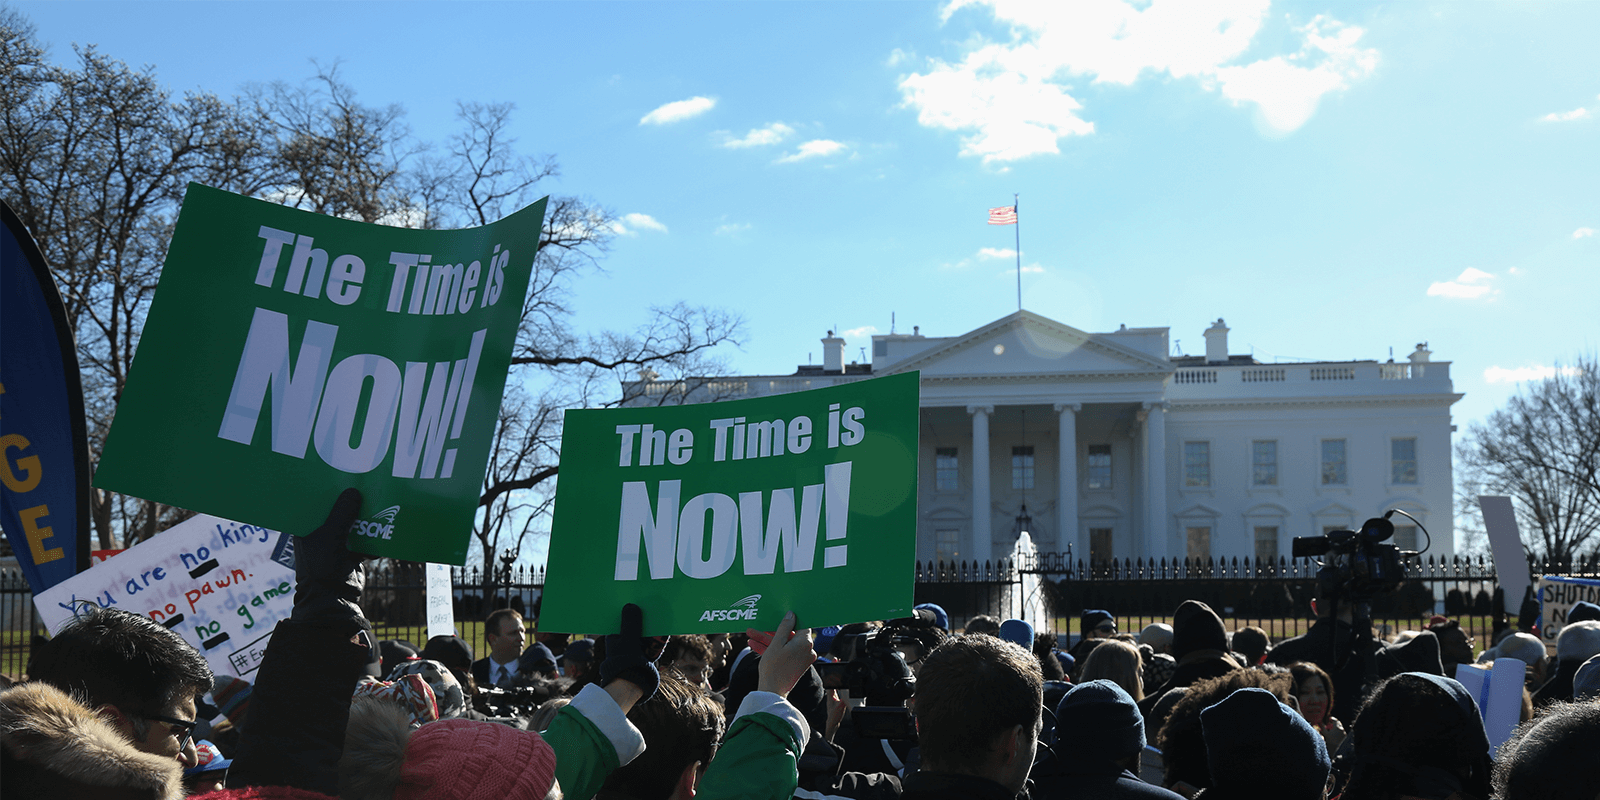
1334,179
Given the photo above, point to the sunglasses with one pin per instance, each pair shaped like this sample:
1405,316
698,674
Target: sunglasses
1106,628
183,729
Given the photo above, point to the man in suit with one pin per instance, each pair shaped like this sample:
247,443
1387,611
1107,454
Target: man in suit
504,632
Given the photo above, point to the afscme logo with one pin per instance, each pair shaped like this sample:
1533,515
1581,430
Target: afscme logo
379,526
743,608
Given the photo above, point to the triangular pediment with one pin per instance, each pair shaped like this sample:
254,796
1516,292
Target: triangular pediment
1025,343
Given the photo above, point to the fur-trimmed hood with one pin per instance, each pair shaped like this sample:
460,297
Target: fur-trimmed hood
56,746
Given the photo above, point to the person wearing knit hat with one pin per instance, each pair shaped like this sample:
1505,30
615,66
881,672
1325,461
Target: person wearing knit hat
1099,737
1420,653
1017,632
1094,624
1417,736
1583,610
1577,643
384,757
1200,645
1259,747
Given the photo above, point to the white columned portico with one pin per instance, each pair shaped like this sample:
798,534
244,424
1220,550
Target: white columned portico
980,546
1067,470
1155,479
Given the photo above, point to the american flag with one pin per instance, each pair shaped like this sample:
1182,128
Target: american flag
1004,215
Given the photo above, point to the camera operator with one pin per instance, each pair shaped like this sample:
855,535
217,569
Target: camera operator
1327,635
1355,567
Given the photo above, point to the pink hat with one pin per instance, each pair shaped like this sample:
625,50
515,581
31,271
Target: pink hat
458,759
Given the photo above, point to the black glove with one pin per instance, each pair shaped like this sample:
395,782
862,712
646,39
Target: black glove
328,577
626,658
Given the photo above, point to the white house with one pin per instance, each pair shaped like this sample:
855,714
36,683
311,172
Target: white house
1104,443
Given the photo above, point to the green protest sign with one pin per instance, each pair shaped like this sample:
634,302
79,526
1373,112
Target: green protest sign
288,355
722,516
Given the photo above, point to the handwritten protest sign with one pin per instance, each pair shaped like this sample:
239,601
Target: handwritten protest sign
221,585
441,616
1557,596
722,516
289,355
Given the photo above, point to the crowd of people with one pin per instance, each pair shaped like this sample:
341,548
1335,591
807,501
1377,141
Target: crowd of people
115,705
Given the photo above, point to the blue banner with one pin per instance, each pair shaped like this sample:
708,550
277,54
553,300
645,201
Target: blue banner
44,453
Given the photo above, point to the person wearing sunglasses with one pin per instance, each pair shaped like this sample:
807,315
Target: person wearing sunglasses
111,706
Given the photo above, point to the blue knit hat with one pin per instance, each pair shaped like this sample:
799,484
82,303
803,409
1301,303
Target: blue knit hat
1097,722
1257,746
1017,632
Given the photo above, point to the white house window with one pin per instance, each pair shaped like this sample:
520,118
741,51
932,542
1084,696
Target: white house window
946,469
1264,463
944,544
1022,467
1403,460
1196,464
1333,463
1266,545
1100,467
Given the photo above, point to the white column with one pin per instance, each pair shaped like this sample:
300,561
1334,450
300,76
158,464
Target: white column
1155,480
1067,470
980,546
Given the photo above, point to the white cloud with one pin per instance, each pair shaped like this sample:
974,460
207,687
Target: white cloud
631,224
996,252
816,148
1520,374
1514,271
1566,116
1583,233
679,110
857,333
897,57
731,228
1010,100
771,134
1031,269
1471,283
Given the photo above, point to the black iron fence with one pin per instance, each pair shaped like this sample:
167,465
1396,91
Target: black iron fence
1274,595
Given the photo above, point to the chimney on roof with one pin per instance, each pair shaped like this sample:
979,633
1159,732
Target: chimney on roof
832,353
1217,343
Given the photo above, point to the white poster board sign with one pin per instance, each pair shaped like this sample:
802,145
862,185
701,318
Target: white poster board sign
1499,696
441,619
1505,543
221,585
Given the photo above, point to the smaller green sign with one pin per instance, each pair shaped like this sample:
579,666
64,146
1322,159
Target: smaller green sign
722,516
289,355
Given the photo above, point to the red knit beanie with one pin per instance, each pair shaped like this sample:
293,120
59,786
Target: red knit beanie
458,759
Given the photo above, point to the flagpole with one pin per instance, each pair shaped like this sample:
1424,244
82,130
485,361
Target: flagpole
1014,210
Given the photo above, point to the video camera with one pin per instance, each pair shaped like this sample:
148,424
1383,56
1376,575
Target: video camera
876,666
1358,564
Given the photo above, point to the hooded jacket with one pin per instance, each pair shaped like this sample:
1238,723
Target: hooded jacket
55,746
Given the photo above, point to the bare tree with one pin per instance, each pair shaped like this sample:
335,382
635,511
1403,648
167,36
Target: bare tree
1543,450
95,159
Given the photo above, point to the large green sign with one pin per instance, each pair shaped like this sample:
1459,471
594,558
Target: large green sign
722,516
288,355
